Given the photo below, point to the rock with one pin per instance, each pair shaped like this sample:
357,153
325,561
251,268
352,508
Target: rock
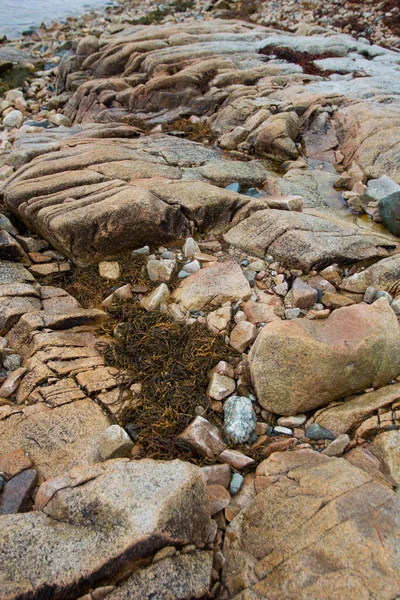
257,312
304,295
383,275
386,448
276,138
224,368
293,421
344,417
389,211
316,432
160,270
236,483
190,248
236,459
286,202
160,295
362,458
217,474
336,300
283,430
46,269
146,504
385,295
378,189
115,443
292,313
239,419
218,497
14,462
183,576
369,294
337,447
191,267
17,492
60,120
109,270
353,349
321,284
338,508
220,386
219,283
305,241
12,382
14,118
203,437
242,335
218,320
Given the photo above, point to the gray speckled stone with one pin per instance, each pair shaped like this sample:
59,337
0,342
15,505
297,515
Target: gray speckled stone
316,432
239,419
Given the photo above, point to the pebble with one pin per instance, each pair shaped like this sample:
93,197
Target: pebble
158,296
316,432
203,437
283,430
115,443
192,267
383,294
281,289
369,294
239,419
14,118
337,447
190,248
236,459
396,306
12,382
242,335
293,421
220,386
236,483
145,250
292,313
219,474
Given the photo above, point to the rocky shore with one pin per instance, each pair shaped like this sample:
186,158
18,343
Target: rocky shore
200,304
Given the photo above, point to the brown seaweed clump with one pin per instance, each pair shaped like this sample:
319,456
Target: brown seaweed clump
306,61
172,361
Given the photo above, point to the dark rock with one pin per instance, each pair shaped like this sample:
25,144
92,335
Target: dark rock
389,210
316,432
17,492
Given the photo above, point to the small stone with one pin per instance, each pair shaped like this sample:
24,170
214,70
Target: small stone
303,294
160,270
240,316
192,266
257,265
43,270
144,251
115,443
369,294
293,421
281,289
60,120
279,446
12,382
332,275
5,172
164,553
283,430
220,386
12,362
243,335
337,447
236,459
383,294
190,248
316,432
124,292
396,306
292,313
223,368
17,492
239,419
233,187
203,437
218,498
15,118
236,483
160,295
336,300
38,257
218,474
218,320
109,270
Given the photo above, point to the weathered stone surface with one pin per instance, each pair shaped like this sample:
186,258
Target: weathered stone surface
344,417
86,530
14,462
311,532
186,577
304,241
303,364
56,439
17,492
214,285
386,447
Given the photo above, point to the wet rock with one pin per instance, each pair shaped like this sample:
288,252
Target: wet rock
239,419
343,349
203,437
337,508
115,443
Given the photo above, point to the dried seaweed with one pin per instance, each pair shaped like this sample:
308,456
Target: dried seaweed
306,61
196,132
172,361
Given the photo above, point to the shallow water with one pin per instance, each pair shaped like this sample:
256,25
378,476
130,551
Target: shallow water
18,15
